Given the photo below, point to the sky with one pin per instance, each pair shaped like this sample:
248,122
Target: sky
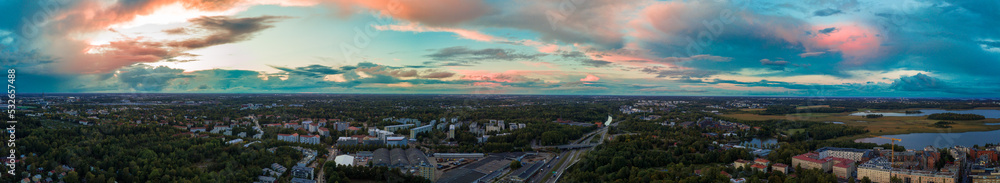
900,48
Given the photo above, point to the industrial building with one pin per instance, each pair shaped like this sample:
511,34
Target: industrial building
411,160
526,172
344,160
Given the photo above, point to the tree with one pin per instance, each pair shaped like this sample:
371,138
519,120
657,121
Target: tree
552,138
515,165
866,180
72,177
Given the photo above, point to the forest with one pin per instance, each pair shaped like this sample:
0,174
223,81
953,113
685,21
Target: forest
129,153
955,116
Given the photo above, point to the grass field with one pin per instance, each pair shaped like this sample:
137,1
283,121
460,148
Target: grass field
879,126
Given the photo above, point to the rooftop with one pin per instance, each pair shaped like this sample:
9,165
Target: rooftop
811,157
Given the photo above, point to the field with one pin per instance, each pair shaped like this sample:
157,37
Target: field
879,126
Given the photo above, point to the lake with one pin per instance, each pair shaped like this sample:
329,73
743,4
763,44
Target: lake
988,113
940,140
991,123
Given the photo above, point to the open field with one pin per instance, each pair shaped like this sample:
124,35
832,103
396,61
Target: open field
881,126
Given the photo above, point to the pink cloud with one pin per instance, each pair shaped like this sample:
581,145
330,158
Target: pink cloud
857,43
539,64
430,12
487,84
499,77
463,33
66,32
401,84
590,77
511,76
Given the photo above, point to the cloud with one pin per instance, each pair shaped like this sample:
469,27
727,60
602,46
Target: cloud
918,82
204,32
826,12
438,75
672,90
811,54
595,63
678,73
403,73
990,44
314,70
463,33
430,12
222,30
585,23
590,77
641,57
775,63
497,77
487,84
827,30
148,78
461,54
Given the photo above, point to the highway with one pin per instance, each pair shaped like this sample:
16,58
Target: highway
571,156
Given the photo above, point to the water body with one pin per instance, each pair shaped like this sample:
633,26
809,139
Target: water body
991,123
940,140
988,113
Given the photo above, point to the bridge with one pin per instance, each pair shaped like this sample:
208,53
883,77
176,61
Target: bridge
575,146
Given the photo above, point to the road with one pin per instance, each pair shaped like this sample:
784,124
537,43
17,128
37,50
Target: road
570,157
319,163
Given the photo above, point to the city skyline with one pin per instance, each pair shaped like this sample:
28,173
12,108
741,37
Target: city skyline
933,48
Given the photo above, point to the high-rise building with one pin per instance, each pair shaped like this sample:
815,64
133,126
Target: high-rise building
451,131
